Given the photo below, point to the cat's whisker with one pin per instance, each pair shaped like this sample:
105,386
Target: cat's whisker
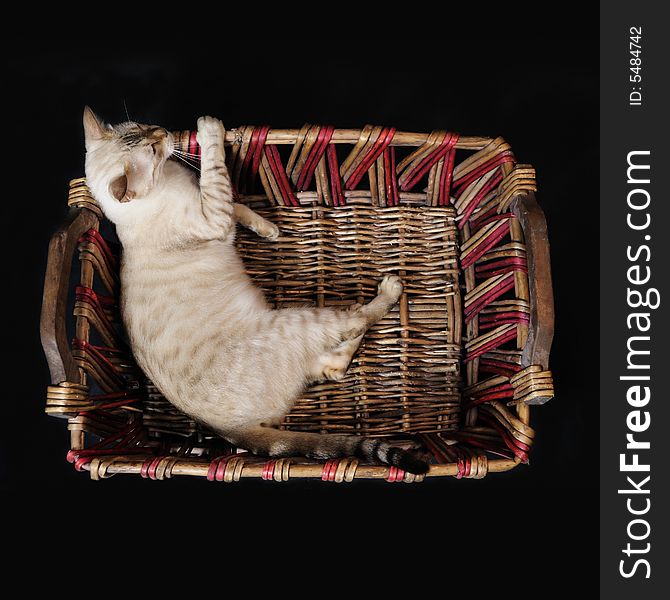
186,154
184,151
181,158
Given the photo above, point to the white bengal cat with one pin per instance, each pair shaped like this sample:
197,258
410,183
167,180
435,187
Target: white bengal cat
197,325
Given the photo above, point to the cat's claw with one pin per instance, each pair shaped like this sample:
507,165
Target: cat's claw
210,131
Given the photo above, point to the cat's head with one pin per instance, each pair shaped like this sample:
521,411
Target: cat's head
123,162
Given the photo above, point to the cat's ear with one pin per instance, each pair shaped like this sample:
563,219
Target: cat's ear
94,129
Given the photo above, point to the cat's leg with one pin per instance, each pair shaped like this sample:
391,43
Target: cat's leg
216,190
251,220
333,364
389,291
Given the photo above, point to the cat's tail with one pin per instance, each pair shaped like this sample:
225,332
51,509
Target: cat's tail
272,442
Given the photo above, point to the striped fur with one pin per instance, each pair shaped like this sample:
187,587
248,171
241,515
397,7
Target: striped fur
198,327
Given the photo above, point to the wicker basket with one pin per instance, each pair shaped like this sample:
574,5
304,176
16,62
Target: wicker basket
452,369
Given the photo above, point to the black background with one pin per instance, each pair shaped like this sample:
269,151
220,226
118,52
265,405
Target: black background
544,106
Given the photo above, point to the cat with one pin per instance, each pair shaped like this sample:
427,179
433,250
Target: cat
197,325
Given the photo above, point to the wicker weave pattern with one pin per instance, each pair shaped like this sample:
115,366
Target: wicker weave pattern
346,218
405,376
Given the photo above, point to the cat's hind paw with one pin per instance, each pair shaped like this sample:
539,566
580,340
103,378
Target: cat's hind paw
391,286
270,232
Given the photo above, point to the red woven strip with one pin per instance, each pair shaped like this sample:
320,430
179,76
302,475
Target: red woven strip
211,471
323,139
500,450
487,326
487,398
519,448
154,466
335,183
268,470
511,263
145,467
84,292
325,470
424,166
475,223
485,299
125,437
492,163
496,319
120,398
494,237
80,462
490,296
461,468
258,138
511,441
88,296
496,393
256,147
488,318
124,402
280,176
481,194
496,388
193,147
329,470
499,367
502,271
384,139
245,180
391,180
108,349
520,454
481,222
437,452
217,467
443,198
94,237
494,343
395,474
113,396
101,359
221,468
73,456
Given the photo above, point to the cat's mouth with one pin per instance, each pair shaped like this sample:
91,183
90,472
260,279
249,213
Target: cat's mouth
119,189
141,170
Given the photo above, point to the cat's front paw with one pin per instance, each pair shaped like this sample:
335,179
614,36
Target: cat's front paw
210,131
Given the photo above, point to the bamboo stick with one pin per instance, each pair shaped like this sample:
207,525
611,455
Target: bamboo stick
129,465
351,136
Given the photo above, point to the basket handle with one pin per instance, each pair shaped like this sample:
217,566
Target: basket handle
541,327
53,333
